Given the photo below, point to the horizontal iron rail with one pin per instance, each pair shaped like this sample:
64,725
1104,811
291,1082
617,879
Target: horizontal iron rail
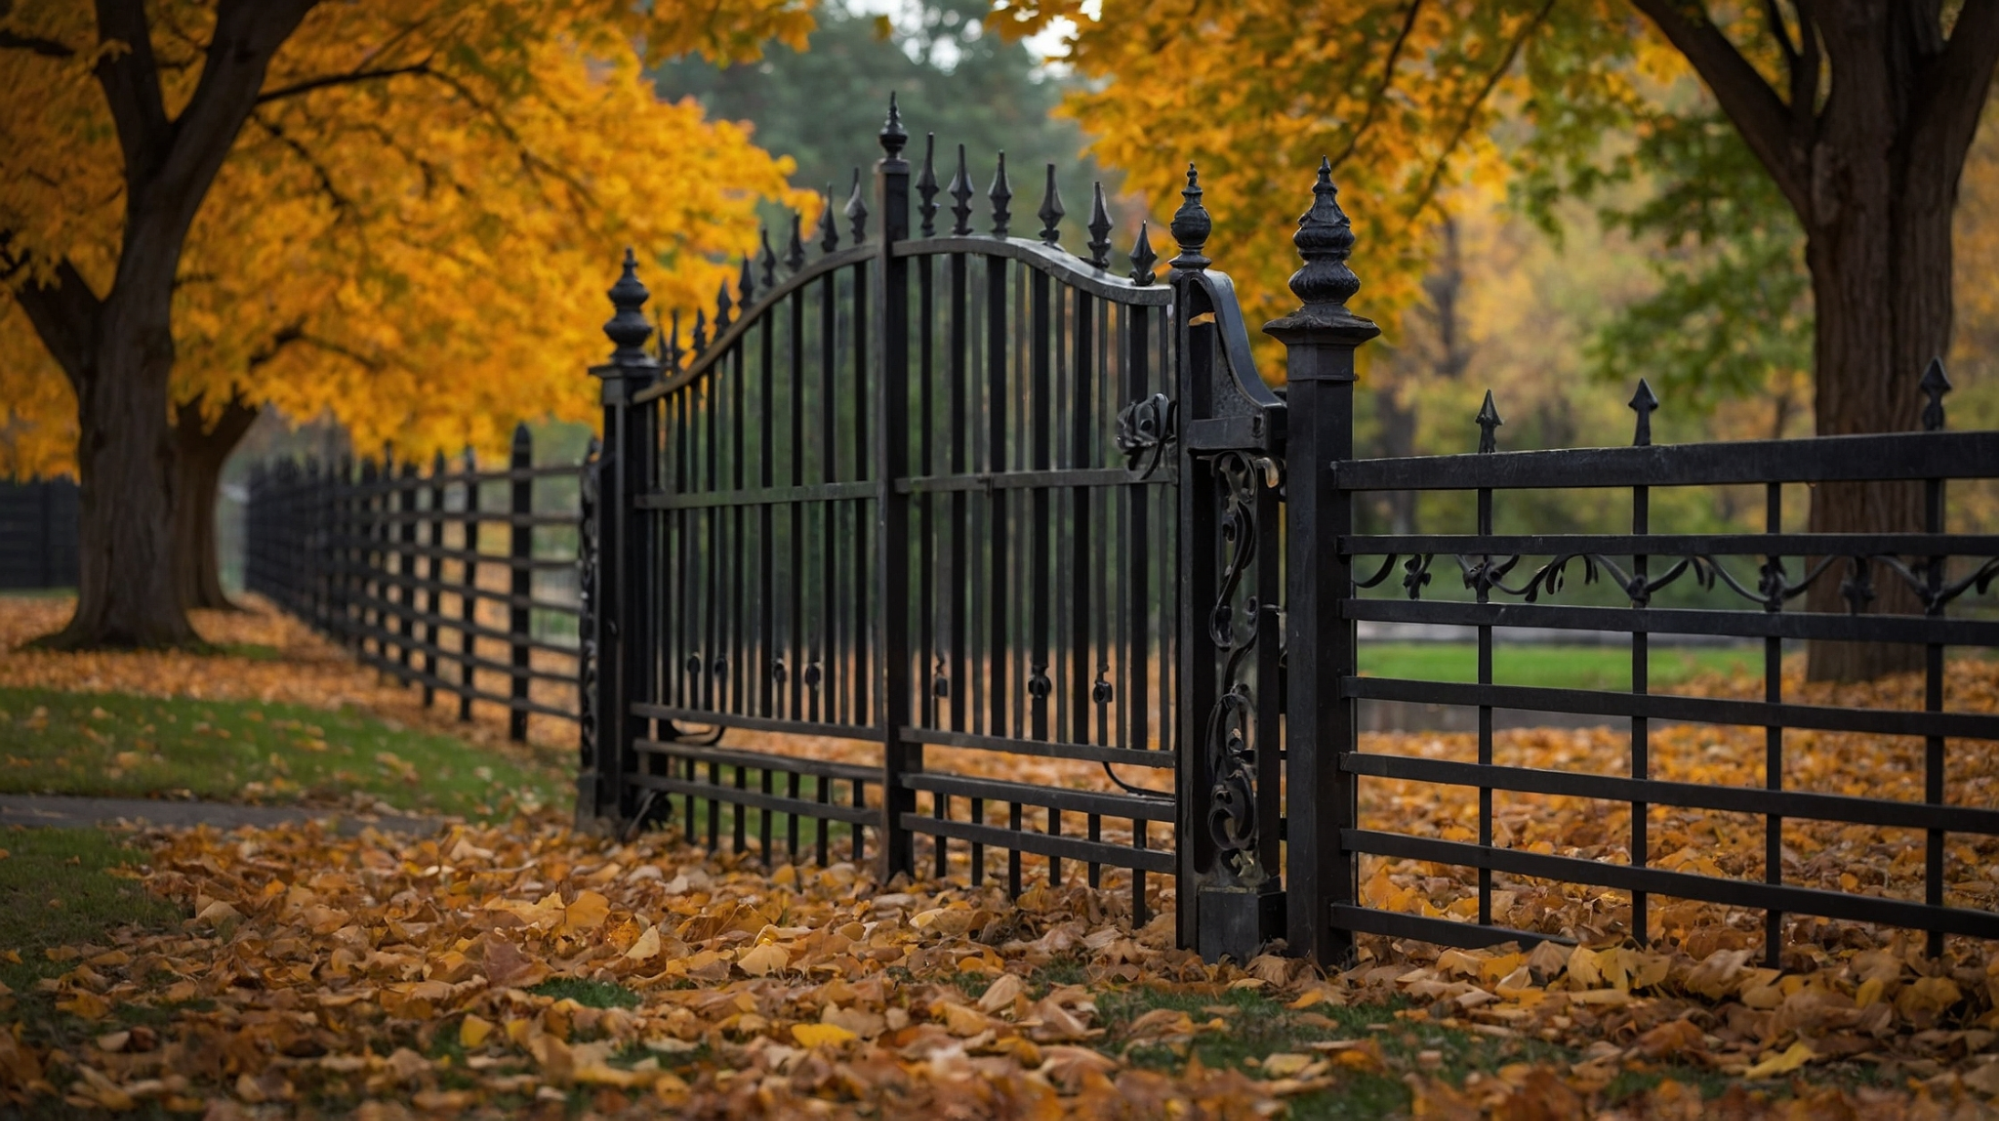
506,669
1841,808
1033,794
385,576
1682,885
705,717
1048,749
1441,932
762,761
1901,455
349,625
1747,623
1659,706
1070,270
1032,480
495,517
398,483
410,673
1043,844
756,496
757,799
497,560
1680,545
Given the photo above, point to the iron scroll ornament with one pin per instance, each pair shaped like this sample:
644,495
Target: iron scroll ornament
1773,587
1145,429
1230,743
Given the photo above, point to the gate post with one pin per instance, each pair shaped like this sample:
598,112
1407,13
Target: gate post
892,685
605,664
1320,339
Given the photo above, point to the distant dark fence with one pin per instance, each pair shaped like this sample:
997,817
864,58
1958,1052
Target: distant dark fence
38,534
401,567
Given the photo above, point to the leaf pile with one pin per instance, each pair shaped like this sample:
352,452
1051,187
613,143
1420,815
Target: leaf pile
492,970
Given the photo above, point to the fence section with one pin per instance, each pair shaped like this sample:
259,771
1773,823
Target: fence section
453,580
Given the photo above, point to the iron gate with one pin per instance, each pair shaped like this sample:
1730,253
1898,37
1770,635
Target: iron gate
960,501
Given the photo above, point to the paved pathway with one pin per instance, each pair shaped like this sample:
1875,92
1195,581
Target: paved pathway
78,813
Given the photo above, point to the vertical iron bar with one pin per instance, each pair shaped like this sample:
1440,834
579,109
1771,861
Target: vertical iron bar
406,488
521,547
1773,735
893,708
1641,763
434,577
1934,762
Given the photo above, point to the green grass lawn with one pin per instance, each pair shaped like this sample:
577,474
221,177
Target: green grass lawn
1561,667
115,744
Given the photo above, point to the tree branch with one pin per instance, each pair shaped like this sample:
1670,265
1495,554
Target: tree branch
1381,91
1952,92
1492,80
357,76
130,77
47,48
63,314
1759,114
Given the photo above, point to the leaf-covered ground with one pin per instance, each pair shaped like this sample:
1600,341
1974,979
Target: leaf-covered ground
521,968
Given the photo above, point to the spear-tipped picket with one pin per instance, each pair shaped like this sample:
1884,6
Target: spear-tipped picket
1142,256
1191,226
673,352
1643,403
829,228
767,260
722,306
1000,194
1100,228
926,186
1934,385
746,285
700,332
1051,212
794,251
857,210
961,192
1488,425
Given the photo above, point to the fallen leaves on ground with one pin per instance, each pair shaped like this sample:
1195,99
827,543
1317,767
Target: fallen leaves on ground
497,968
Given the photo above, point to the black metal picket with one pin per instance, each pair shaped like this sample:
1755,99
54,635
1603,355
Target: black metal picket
342,554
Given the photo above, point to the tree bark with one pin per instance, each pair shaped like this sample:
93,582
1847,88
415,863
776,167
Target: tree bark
118,349
1872,169
202,449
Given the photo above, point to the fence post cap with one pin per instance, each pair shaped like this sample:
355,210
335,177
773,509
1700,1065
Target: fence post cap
1325,240
1191,226
628,328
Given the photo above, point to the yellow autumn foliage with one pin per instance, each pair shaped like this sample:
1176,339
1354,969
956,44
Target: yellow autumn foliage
414,230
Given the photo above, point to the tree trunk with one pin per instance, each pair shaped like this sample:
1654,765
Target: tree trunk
126,593
203,448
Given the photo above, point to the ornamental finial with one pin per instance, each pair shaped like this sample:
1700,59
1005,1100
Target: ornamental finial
1191,226
857,210
1488,422
1324,239
926,186
961,191
1642,403
767,260
892,135
1100,229
1000,194
1934,385
1051,212
829,228
1142,256
794,251
627,326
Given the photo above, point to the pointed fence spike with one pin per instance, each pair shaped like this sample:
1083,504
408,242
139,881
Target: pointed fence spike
700,331
1934,385
523,439
1488,423
1191,226
857,210
829,228
961,191
926,186
722,306
767,260
746,285
673,352
1142,256
794,251
893,137
1642,403
1100,228
1000,194
1051,212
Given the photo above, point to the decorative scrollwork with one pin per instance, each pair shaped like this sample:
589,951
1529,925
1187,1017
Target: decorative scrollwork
1231,733
586,599
1145,428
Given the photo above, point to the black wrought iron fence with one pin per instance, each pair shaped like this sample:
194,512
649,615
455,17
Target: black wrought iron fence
453,580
